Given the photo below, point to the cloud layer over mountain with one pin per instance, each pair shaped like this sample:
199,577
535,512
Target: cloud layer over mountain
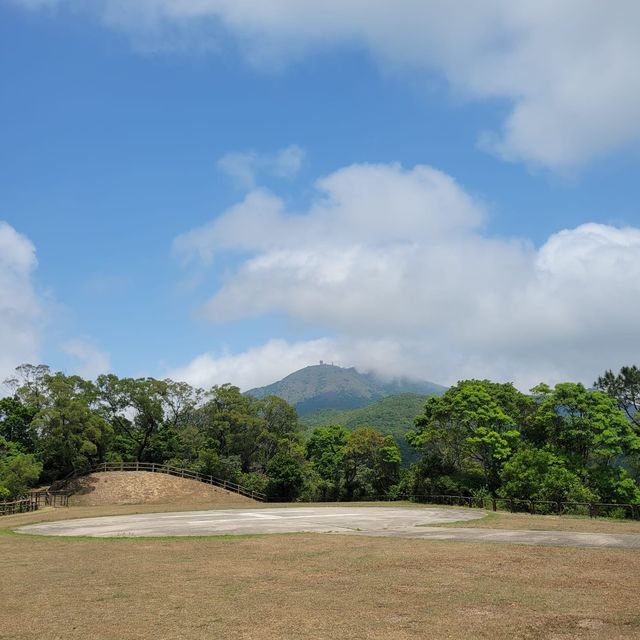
386,255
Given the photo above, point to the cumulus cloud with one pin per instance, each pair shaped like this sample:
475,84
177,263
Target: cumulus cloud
264,364
567,69
245,167
386,255
90,361
21,313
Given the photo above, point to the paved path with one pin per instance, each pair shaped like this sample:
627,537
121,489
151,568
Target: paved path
401,522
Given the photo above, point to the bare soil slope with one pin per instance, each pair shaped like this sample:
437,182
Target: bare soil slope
145,487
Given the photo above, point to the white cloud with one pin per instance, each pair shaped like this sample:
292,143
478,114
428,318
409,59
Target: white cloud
254,367
245,167
21,313
567,69
398,257
262,365
90,360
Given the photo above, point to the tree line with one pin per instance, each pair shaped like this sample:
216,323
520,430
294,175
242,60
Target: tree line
54,425
566,443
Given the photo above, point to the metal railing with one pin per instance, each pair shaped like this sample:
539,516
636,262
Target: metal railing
180,473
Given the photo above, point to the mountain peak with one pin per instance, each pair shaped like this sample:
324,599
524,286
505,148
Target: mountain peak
324,386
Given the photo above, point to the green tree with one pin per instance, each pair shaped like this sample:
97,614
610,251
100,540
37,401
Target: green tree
30,384
286,473
325,451
231,425
19,471
74,435
371,462
537,474
592,435
136,410
585,426
16,420
473,428
279,428
625,389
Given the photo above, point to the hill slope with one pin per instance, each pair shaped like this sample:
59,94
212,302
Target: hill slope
326,386
144,487
393,416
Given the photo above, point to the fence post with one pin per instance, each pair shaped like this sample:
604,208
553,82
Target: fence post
494,504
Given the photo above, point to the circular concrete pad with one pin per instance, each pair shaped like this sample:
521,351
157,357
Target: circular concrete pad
237,521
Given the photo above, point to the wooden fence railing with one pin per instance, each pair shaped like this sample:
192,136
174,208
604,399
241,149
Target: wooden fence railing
541,507
180,473
33,501
19,506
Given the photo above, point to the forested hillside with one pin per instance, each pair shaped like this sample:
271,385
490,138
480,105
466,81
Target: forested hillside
393,416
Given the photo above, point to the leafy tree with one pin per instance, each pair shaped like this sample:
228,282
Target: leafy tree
231,425
325,451
19,471
279,427
592,435
286,473
135,409
73,435
538,474
16,422
30,384
585,426
625,388
371,462
473,428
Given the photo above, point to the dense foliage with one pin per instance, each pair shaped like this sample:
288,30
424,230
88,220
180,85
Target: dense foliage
56,425
393,416
564,443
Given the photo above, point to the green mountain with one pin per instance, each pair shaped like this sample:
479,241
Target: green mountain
326,386
393,416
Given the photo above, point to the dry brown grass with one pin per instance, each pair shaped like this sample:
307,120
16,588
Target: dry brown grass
525,521
308,586
145,487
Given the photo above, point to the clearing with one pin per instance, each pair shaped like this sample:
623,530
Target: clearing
311,586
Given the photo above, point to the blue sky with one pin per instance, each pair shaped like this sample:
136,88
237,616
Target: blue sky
226,191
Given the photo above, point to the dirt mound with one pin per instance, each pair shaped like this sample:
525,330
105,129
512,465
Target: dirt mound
145,487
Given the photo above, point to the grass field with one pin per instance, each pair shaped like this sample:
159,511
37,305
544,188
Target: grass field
310,586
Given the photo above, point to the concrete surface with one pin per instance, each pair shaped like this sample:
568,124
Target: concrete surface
269,520
398,522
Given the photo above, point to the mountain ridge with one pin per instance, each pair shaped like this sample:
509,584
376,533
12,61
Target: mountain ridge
327,386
